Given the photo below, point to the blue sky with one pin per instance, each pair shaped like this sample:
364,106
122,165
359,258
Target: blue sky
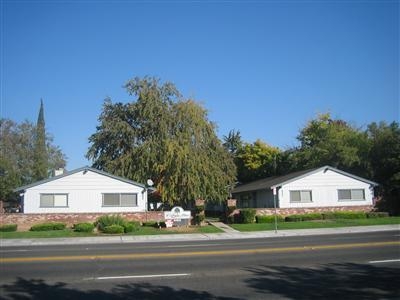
261,67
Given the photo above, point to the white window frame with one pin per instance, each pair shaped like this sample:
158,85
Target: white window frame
120,195
352,192
54,196
301,196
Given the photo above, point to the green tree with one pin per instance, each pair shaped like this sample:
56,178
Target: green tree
17,143
257,160
233,142
325,141
384,157
40,170
163,137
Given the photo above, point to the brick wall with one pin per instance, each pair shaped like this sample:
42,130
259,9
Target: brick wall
295,211
25,221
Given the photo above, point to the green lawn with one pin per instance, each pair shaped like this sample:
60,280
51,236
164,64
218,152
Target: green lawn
145,230
317,224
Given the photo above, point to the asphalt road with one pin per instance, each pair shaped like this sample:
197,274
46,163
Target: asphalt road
346,266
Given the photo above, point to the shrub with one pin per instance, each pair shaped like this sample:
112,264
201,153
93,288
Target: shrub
377,214
48,226
293,218
247,215
113,229
108,220
198,218
131,226
329,215
350,215
150,224
311,216
199,209
8,227
269,219
83,227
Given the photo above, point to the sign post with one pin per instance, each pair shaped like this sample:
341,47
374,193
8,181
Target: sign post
276,221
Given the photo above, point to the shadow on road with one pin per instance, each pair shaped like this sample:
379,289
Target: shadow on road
35,289
332,281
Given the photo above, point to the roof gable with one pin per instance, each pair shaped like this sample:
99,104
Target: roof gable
83,169
277,181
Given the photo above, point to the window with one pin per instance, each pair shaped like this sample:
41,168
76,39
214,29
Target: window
351,195
53,200
123,200
300,196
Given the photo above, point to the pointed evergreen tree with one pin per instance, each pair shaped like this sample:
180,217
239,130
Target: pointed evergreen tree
40,154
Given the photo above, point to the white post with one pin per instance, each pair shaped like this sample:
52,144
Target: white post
276,221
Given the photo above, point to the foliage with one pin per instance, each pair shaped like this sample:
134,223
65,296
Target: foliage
8,227
344,215
384,157
17,143
293,218
163,137
150,224
83,227
48,226
247,215
377,214
113,229
256,161
40,156
131,226
108,220
269,219
326,141
233,142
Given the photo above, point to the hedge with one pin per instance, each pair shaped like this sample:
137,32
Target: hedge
269,219
131,226
114,229
8,227
48,226
83,227
247,215
377,214
108,220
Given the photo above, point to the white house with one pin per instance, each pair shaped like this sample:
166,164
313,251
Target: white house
84,190
321,187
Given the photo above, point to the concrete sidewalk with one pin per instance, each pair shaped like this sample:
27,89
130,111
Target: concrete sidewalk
228,233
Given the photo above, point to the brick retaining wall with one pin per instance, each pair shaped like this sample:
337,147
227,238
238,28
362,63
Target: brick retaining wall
295,211
25,221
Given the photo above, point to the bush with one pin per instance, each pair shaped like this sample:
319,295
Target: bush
199,209
377,214
108,220
83,227
8,227
329,215
150,224
269,219
311,216
113,229
247,215
293,218
350,215
131,226
199,218
48,226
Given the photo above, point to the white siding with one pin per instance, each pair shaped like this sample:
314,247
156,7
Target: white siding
324,187
85,194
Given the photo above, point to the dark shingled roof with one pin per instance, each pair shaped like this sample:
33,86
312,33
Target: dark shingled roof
276,181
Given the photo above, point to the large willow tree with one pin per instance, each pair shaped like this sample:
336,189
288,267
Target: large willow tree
164,137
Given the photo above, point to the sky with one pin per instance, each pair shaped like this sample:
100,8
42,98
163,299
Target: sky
264,68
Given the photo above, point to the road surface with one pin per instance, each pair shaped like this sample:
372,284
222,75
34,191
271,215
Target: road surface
345,266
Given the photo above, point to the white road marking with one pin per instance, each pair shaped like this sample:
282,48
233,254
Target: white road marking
17,250
194,245
138,276
384,261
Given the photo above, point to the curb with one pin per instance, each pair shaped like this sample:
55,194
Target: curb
192,236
